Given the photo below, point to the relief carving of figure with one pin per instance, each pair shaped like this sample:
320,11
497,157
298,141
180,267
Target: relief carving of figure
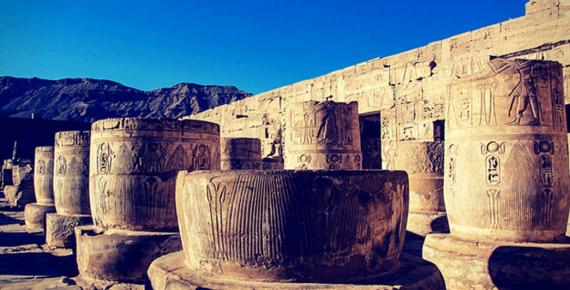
201,157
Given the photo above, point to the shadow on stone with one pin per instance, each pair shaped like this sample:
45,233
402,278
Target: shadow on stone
413,244
440,225
19,239
6,220
37,264
512,267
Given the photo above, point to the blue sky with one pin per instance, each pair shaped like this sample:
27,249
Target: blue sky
255,45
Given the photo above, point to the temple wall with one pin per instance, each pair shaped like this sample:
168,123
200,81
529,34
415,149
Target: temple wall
409,89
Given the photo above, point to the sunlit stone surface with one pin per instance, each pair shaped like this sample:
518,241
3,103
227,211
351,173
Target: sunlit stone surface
35,213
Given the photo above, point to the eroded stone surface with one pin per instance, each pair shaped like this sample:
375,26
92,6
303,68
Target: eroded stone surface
133,167
170,273
120,256
71,178
241,154
467,264
506,164
293,225
323,135
35,215
423,161
60,229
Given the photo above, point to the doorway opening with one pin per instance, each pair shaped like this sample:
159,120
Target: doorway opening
370,140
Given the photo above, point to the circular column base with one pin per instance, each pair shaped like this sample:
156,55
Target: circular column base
423,223
469,264
60,229
170,273
35,215
119,256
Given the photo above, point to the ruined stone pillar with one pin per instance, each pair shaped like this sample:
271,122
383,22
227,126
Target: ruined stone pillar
71,188
241,153
35,213
323,135
506,180
132,175
423,161
21,191
288,229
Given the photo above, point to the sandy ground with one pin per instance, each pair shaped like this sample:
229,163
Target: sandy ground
25,261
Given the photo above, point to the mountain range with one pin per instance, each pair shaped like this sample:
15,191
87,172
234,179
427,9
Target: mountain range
87,100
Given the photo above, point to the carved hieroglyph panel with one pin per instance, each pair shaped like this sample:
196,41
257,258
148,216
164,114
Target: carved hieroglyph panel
43,175
507,170
292,225
133,167
241,154
71,172
323,135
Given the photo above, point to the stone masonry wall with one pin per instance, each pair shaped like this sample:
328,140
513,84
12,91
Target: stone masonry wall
408,89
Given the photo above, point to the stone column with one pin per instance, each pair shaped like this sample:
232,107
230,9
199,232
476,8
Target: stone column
132,175
323,135
241,153
423,161
35,213
506,180
71,188
296,229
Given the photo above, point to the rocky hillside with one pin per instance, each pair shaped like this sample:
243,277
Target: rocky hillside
91,99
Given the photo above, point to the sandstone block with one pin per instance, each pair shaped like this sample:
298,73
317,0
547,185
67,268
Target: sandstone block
35,215
120,256
60,229
467,264
170,273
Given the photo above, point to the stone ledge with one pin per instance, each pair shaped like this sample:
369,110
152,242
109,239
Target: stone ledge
490,265
169,273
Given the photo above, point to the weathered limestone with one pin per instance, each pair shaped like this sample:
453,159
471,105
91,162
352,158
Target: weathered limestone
133,167
423,161
241,153
71,188
35,213
323,135
281,229
506,180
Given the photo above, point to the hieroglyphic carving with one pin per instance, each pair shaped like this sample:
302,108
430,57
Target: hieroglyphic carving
135,162
525,172
319,129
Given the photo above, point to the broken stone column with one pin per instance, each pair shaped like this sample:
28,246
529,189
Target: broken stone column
241,153
285,229
506,180
21,191
323,135
423,161
35,213
71,188
132,175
